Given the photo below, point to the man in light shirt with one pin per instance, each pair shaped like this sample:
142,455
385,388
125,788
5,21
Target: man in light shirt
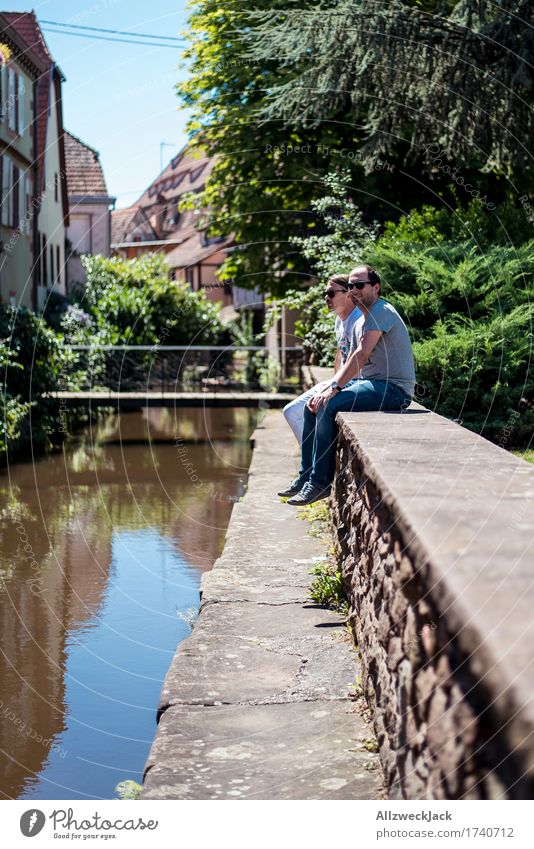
378,374
338,300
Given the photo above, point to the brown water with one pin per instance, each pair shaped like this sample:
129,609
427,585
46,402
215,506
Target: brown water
101,552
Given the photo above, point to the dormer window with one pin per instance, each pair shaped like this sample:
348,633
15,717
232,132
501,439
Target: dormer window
195,174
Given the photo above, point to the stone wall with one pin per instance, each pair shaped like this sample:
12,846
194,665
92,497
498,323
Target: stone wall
435,562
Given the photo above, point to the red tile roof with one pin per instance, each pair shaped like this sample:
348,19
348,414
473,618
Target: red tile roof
27,26
84,172
187,172
192,251
129,225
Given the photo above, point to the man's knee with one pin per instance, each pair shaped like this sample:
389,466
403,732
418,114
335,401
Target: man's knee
288,409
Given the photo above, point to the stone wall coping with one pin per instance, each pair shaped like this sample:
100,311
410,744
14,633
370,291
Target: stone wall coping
465,505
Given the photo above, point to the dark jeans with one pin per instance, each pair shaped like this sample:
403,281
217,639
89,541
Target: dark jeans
318,451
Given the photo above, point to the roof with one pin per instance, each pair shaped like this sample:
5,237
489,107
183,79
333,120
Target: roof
193,250
158,209
27,26
125,222
84,172
27,59
186,172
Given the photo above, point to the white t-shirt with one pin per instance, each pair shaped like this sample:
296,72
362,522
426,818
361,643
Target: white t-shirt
344,332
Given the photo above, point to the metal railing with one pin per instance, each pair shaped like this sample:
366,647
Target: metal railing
182,368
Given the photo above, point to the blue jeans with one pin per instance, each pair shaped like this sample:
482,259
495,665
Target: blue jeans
318,451
294,411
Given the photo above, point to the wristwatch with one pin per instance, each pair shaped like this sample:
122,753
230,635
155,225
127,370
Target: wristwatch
335,385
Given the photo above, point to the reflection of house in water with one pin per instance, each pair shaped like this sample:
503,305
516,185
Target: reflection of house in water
55,588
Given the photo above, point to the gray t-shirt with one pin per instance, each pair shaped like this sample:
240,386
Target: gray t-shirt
345,332
392,358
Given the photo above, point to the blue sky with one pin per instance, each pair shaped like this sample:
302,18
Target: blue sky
119,98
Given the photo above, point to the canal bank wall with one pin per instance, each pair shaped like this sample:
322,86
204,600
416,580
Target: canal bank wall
435,529
261,701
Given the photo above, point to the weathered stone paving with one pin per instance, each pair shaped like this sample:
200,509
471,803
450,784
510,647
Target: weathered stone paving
258,702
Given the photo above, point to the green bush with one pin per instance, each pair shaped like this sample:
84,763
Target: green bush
477,373
32,358
134,302
463,282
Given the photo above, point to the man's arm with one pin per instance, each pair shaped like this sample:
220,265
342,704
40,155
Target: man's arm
351,368
338,362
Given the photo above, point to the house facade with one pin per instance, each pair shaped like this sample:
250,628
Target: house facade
89,230
34,187
19,74
156,223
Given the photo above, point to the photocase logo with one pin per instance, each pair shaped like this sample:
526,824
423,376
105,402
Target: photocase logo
32,822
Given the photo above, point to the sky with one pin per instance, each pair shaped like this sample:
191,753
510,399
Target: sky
119,98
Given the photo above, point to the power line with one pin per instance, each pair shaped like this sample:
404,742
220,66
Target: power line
109,38
112,31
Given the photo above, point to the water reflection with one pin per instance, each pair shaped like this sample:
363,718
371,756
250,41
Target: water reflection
100,548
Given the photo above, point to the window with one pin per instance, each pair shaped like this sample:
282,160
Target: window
52,275
56,188
80,233
177,180
195,174
58,264
190,276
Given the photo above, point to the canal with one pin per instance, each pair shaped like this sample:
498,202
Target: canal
102,548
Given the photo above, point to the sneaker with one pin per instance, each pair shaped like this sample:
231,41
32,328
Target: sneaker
310,492
294,487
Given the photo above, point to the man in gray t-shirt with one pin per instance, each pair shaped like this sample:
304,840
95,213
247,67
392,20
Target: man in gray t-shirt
392,357
378,375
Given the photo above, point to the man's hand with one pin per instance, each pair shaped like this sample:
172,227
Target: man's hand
321,399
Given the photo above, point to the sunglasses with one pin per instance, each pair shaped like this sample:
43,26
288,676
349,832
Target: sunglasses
331,293
359,284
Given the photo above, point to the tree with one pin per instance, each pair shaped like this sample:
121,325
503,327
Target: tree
455,76
267,171
282,93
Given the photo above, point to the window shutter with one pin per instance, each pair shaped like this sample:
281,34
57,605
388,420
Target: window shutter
11,99
2,89
7,187
22,202
15,194
21,88
28,205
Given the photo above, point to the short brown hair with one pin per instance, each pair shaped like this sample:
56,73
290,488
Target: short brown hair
341,280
